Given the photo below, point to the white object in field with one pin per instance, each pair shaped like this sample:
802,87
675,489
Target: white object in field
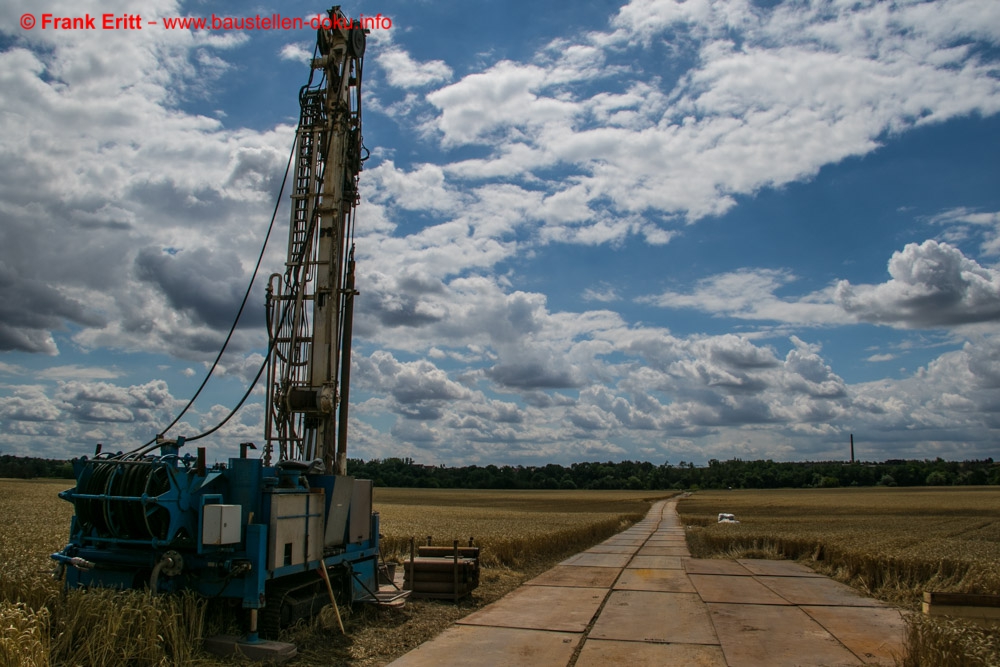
221,524
727,518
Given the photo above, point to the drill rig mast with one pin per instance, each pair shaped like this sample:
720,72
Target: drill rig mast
248,530
310,307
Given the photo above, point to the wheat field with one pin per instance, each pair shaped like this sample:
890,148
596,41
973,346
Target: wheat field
890,543
513,528
520,532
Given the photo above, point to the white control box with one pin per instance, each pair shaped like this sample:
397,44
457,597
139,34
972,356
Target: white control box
221,524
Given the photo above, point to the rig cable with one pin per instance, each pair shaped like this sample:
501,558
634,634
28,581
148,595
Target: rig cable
286,307
239,313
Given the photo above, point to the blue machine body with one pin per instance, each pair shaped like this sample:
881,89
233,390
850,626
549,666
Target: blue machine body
235,530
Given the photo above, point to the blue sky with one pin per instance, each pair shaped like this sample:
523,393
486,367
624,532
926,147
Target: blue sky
652,230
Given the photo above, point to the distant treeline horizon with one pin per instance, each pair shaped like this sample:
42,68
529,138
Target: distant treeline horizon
632,475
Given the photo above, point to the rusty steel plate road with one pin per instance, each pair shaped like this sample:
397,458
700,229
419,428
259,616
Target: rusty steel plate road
577,575
601,653
598,560
651,579
639,599
755,635
661,562
871,633
646,616
612,549
715,566
492,647
557,608
777,568
817,591
726,588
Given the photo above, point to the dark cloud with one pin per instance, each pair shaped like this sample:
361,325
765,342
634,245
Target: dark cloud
180,204
400,302
743,354
30,309
207,284
537,374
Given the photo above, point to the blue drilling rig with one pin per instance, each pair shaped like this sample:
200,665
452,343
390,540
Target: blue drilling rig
271,536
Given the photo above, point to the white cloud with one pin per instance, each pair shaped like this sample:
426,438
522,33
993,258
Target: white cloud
605,293
962,222
749,294
501,99
298,51
108,164
574,143
933,285
28,404
402,71
774,94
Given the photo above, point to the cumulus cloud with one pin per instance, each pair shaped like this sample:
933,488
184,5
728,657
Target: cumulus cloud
143,176
28,404
750,294
69,416
298,51
933,285
30,309
418,388
208,284
575,143
956,391
402,71
775,94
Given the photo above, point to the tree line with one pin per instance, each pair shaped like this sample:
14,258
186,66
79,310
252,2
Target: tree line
28,467
638,475
635,475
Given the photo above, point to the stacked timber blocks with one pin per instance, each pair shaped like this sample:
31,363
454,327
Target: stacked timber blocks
447,573
981,609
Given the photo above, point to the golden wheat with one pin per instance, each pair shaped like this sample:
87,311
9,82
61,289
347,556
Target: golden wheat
948,643
109,627
41,625
24,636
890,543
513,528
893,543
